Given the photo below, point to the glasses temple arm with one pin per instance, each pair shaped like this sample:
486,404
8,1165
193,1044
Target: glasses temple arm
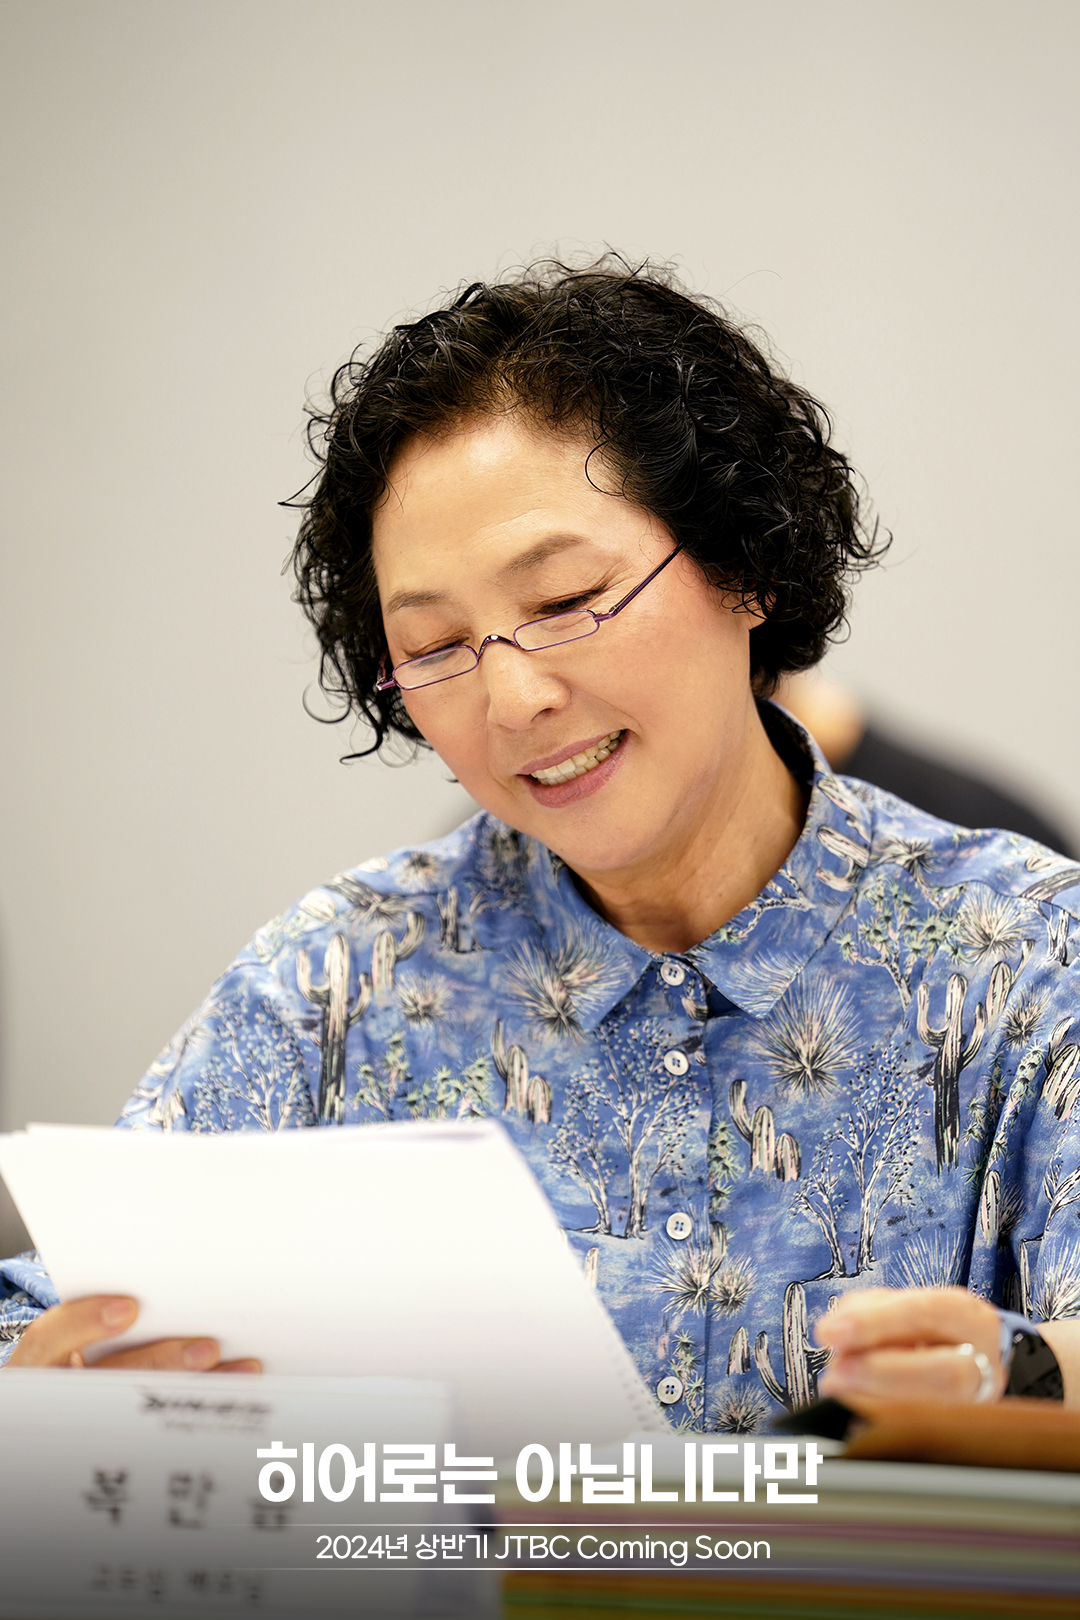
610,614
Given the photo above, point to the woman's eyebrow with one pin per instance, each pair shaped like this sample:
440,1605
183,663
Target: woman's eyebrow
550,547
413,599
532,558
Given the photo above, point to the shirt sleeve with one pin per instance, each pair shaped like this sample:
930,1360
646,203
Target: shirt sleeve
245,1060
1054,1289
26,1290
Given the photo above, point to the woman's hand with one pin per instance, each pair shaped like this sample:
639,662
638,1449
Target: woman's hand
903,1344
58,1337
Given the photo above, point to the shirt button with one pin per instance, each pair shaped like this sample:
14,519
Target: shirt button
676,1062
669,1390
679,1226
672,972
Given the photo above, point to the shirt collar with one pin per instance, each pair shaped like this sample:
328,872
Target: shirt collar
754,958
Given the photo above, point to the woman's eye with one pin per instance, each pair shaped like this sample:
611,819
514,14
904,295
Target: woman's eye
433,652
567,604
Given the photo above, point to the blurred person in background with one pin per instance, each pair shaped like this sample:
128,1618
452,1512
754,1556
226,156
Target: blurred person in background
857,745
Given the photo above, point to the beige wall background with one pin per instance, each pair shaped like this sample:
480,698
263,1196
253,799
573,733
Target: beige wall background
207,205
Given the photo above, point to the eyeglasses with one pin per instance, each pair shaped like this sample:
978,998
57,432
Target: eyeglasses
535,636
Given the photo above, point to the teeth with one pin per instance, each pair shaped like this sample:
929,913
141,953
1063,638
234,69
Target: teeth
578,764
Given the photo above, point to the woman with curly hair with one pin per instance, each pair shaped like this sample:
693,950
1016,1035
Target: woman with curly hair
789,1058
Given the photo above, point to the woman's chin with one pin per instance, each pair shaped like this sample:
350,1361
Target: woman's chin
600,853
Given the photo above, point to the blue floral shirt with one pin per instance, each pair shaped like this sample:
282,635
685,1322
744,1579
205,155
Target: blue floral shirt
869,1076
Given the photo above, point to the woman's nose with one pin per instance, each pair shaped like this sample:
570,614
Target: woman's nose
518,686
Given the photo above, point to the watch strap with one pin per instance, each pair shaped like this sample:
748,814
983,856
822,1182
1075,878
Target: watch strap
1033,1368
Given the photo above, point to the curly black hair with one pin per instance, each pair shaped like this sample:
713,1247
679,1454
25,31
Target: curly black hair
700,428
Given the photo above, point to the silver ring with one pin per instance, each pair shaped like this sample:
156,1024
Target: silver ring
987,1376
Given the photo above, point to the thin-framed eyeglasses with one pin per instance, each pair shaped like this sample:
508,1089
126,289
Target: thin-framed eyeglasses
449,662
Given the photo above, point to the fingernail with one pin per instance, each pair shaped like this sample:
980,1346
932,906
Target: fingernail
247,1366
200,1354
76,1359
116,1312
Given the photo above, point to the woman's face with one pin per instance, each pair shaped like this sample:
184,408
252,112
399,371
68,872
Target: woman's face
495,524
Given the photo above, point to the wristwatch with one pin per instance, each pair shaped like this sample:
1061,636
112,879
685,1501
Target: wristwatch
1033,1368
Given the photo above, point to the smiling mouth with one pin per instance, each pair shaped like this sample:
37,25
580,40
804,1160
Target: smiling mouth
579,764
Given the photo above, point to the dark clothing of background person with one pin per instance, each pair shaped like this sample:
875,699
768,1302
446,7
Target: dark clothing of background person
941,789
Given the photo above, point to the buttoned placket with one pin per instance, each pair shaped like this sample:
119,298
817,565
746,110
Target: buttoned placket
681,1215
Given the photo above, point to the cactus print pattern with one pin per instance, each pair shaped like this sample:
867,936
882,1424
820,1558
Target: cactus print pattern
871,1075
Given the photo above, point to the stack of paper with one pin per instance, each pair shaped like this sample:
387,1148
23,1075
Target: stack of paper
883,1541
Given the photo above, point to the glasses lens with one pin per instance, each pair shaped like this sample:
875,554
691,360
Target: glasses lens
436,666
552,632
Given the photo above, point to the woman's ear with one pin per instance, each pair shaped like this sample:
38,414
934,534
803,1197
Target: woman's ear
757,607
740,598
